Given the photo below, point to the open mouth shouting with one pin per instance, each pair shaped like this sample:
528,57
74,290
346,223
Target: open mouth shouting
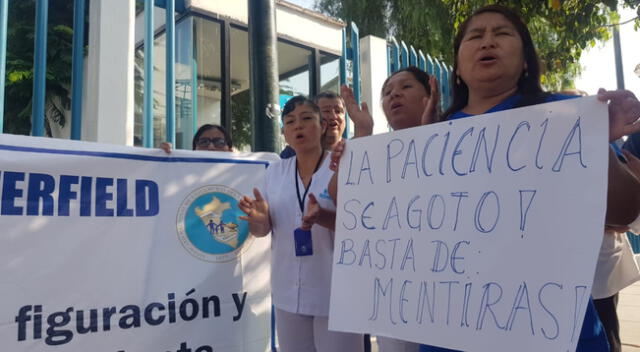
488,59
396,106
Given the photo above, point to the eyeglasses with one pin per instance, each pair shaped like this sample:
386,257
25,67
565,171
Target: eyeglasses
217,142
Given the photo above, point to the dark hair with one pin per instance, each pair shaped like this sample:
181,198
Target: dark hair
528,84
417,73
206,127
296,101
327,94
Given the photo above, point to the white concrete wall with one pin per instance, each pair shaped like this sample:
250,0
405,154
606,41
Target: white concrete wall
292,22
108,109
304,28
373,68
233,9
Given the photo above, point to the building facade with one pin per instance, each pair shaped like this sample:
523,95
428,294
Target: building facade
212,46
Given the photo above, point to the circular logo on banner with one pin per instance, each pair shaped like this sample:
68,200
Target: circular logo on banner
208,224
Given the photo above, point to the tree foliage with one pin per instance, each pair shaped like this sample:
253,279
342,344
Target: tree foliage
561,29
20,57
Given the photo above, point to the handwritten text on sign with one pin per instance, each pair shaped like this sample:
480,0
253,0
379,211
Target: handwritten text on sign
475,234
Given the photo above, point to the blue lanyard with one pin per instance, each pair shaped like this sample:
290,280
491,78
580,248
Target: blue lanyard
306,190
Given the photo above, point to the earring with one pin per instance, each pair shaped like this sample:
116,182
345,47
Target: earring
458,80
526,73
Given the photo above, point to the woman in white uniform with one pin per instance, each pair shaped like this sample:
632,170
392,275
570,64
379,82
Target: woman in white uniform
301,249
615,270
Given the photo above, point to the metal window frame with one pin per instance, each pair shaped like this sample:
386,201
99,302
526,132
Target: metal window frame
226,24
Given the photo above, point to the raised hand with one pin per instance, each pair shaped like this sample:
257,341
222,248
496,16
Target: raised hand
166,146
257,211
431,112
360,115
336,155
311,214
315,214
624,112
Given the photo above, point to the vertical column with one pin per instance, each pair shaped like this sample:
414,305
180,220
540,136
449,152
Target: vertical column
617,50
265,106
108,114
374,72
314,68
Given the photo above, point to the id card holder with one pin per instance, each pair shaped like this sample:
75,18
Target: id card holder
303,243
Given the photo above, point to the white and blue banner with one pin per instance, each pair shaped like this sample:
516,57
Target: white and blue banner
480,234
118,249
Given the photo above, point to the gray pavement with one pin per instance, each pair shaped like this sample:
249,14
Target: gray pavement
629,315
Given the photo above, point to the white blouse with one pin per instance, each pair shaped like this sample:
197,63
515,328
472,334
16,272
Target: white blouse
299,284
616,268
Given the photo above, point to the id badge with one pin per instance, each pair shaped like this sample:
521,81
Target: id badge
303,242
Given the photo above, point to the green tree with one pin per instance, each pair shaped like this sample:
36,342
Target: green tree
561,29
20,54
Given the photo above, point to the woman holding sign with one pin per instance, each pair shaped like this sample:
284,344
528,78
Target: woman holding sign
409,99
496,68
301,246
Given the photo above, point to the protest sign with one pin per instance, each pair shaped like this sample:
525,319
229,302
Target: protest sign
478,234
116,249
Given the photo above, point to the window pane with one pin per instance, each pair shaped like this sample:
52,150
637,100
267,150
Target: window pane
185,94
329,73
197,64
240,95
207,60
159,100
293,68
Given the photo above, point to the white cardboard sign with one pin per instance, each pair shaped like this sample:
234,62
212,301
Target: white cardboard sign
479,234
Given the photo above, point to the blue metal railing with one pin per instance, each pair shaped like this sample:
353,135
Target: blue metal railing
351,54
404,55
430,65
171,76
634,240
343,58
413,56
77,74
394,58
355,59
422,61
39,68
147,109
401,56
